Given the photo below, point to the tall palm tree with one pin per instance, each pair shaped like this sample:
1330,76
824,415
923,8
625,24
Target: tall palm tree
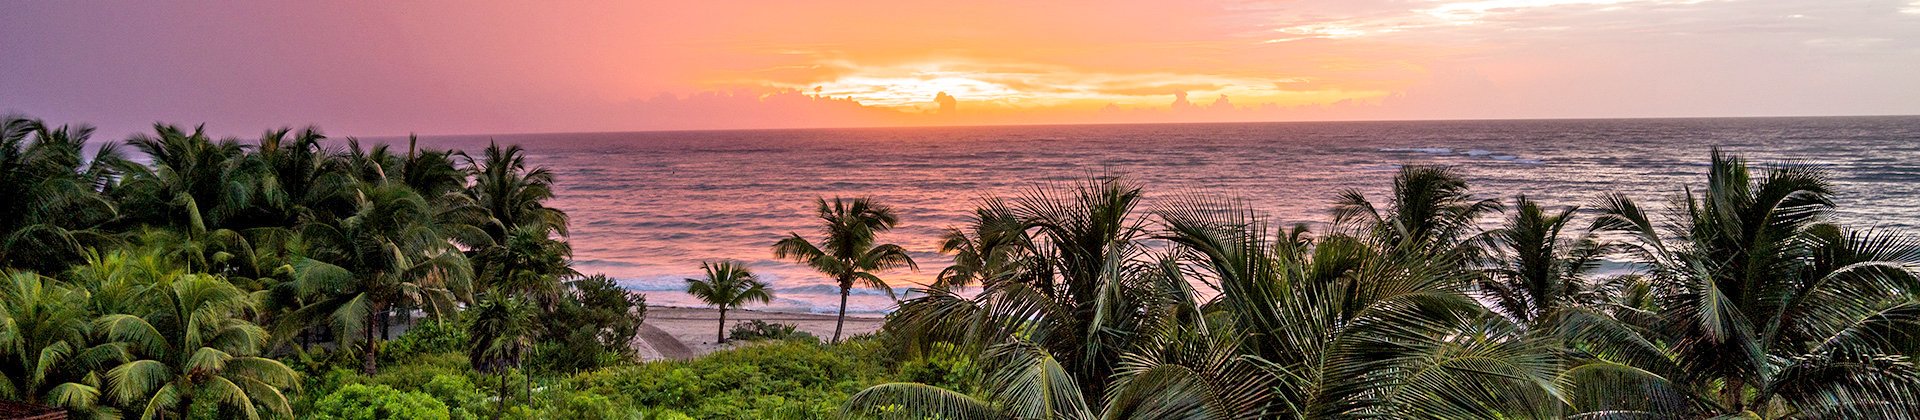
46,349
524,256
847,251
187,342
1532,267
54,207
391,251
727,285
1765,308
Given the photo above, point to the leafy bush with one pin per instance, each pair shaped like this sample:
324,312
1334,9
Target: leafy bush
462,397
786,379
591,328
429,336
756,330
362,402
945,366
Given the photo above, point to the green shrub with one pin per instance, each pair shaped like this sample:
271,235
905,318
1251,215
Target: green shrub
428,337
463,399
362,402
756,330
943,366
420,370
785,379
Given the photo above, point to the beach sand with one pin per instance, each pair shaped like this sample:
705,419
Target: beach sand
683,333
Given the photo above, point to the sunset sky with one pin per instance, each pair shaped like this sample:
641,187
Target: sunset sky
377,68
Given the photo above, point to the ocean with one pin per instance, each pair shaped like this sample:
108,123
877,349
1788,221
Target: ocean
648,207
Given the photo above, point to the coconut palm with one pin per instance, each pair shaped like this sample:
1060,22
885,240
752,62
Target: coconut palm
991,246
193,182
1532,267
1187,377
847,251
187,342
1768,310
1349,329
502,332
54,208
1090,300
391,251
46,351
1430,206
727,285
511,192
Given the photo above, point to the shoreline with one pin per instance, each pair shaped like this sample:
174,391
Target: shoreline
678,333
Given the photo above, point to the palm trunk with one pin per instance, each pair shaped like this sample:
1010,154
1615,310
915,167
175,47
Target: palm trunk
723,326
373,347
842,320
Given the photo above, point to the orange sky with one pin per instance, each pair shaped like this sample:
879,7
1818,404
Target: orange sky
485,67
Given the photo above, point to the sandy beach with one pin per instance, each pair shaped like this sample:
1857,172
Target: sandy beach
681,333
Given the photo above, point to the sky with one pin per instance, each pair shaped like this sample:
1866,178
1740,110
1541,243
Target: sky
431,67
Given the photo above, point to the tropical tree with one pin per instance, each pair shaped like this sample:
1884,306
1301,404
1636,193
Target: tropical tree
54,208
511,192
847,251
1349,328
189,342
727,285
1087,296
393,250
1194,379
1763,308
991,246
46,349
1532,267
1430,206
193,183
503,330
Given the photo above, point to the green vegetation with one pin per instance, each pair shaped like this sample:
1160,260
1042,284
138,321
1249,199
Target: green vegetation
268,279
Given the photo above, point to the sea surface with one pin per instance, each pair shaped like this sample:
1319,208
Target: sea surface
648,207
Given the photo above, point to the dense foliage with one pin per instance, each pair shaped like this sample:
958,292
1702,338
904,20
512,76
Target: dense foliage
297,276
213,277
1744,300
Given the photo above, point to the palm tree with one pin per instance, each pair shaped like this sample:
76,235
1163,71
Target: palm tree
1533,269
513,194
1089,297
54,208
1350,329
847,251
991,246
1430,206
1764,309
1185,377
193,183
189,342
46,354
502,332
727,285
391,251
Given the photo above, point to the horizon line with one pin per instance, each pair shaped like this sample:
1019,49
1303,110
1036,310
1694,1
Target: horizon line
871,127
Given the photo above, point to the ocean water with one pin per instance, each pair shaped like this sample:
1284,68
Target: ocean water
648,207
